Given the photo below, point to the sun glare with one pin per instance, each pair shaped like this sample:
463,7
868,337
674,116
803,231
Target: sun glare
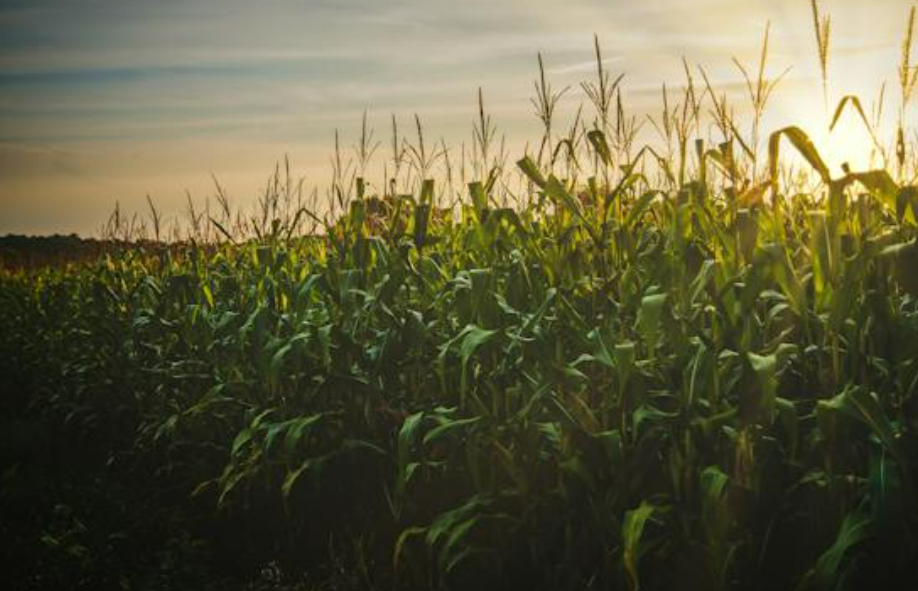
847,143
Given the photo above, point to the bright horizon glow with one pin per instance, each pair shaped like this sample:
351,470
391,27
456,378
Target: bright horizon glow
104,100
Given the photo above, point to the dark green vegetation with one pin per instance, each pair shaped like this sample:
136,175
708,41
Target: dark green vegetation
658,377
31,252
688,392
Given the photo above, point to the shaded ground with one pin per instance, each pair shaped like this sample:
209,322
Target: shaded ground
73,520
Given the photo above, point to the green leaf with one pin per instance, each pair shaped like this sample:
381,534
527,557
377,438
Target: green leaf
421,222
444,523
713,484
479,198
649,318
400,543
427,192
625,356
903,260
747,228
208,295
473,338
855,102
241,439
856,528
598,140
801,141
448,558
640,206
773,259
558,193
447,428
759,403
878,182
406,438
864,407
298,429
600,351
714,508
530,169
632,532
907,204
291,478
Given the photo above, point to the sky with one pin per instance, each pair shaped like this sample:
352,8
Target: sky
113,100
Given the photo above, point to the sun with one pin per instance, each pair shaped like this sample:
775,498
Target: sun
848,143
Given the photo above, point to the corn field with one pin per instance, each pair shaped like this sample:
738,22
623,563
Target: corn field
685,365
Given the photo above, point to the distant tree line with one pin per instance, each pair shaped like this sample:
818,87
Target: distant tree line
28,252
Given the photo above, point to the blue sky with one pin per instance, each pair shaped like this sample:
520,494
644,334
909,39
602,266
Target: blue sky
105,100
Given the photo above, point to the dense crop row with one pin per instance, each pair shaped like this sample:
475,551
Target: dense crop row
624,389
